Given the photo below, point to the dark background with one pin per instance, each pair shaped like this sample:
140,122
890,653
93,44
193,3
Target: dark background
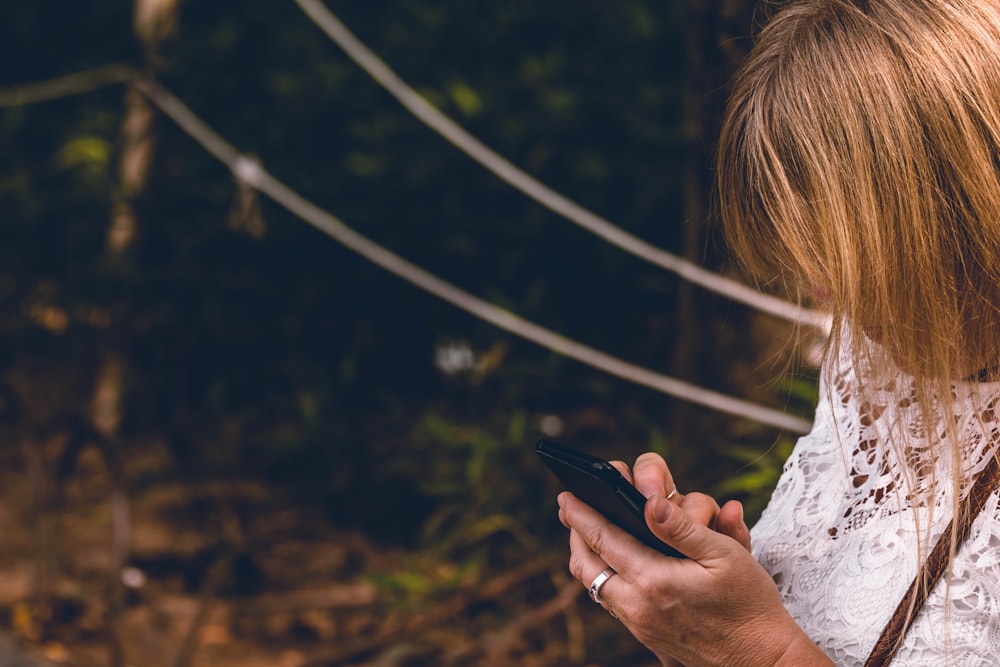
268,405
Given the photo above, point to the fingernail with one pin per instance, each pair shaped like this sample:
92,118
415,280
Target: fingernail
660,509
561,499
741,511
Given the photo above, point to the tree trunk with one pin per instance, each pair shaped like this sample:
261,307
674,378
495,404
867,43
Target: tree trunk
154,21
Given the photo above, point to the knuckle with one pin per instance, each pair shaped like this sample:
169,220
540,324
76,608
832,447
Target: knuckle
576,566
644,582
685,529
702,499
651,584
596,538
642,616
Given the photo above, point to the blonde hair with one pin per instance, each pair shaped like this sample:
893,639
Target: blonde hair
859,158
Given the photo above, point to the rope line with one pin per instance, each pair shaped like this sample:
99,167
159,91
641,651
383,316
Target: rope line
253,174
541,193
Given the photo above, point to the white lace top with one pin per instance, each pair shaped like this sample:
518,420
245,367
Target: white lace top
841,540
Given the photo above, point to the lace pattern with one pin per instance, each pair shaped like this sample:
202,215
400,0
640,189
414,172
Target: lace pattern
841,536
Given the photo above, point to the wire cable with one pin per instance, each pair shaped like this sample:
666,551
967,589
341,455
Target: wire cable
250,172
541,193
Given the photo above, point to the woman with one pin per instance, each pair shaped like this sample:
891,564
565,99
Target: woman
859,161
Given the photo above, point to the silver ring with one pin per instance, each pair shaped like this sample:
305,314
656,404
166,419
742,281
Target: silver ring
598,584
672,493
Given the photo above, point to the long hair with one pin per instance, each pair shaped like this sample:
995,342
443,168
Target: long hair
860,159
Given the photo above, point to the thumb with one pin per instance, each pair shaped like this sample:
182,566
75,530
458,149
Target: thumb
675,527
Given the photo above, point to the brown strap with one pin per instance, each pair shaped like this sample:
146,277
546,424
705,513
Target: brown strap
937,562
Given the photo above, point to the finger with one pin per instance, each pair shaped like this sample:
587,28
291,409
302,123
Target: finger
678,529
652,476
585,565
623,468
613,545
701,507
732,523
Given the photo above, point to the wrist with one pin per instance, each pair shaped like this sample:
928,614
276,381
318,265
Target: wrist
778,642
802,652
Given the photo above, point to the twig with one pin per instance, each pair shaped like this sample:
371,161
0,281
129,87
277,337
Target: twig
214,580
65,86
441,614
341,596
576,645
120,530
41,500
501,643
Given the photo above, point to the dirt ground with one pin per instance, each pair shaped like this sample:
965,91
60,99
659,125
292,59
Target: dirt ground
223,573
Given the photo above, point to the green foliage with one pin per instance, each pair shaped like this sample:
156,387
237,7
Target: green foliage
421,577
760,467
465,98
91,153
756,477
471,468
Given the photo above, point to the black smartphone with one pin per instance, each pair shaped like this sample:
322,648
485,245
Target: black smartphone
597,483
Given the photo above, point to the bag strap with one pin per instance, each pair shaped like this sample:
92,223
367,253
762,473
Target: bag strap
934,568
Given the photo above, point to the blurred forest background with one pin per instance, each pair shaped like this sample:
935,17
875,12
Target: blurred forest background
228,440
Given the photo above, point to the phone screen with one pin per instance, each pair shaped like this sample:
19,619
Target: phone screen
597,483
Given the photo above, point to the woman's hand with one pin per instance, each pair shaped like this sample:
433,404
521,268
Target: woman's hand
717,607
652,477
